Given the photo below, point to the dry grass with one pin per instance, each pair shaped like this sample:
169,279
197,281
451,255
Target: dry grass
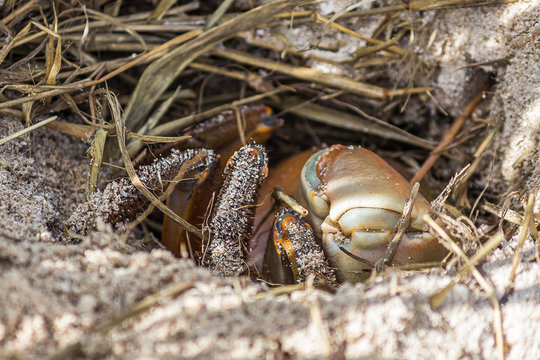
62,61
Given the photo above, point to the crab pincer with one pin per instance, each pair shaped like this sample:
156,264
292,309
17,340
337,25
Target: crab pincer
355,200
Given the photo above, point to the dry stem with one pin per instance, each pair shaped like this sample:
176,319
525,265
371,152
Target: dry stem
120,132
438,298
529,212
447,138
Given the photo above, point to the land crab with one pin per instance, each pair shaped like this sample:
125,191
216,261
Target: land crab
354,200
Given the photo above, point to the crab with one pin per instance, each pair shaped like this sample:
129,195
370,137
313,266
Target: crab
350,199
354,200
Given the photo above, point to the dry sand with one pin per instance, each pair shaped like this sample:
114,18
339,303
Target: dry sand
53,294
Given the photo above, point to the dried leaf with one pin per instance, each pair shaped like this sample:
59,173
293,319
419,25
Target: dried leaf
17,37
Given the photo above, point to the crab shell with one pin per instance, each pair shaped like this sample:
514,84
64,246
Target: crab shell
355,200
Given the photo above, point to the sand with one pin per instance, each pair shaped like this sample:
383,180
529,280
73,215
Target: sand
54,294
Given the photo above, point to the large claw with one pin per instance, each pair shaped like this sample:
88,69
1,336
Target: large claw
355,199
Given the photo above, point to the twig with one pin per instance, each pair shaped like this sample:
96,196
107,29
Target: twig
396,49
240,121
21,10
403,224
460,193
438,203
214,18
529,212
437,299
418,5
447,138
96,154
257,82
160,10
504,214
154,119
289,201
356,257
308,74
419,266
283,289
136,181
27,130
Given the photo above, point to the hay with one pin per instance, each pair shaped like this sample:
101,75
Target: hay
392,78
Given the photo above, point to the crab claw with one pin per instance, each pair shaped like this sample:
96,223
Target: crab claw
355,200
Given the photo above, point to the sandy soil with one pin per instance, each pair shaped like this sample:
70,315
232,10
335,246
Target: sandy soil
53,294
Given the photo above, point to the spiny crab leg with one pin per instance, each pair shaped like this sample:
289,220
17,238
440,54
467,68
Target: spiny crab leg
231,219
190,200
293,252
121,202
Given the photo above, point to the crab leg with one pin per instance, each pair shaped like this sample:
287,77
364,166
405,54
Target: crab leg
191,199
293,252
231,219
121,202
284,175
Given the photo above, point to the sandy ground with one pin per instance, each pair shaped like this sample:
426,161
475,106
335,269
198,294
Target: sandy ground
54,294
